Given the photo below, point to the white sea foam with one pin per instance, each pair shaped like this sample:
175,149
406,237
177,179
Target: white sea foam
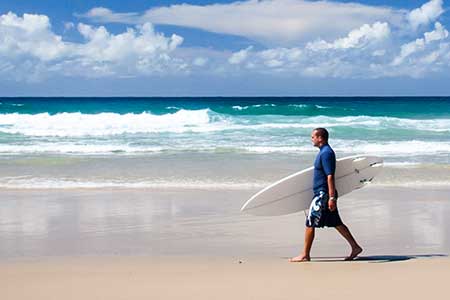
403,148
298,105
204,120
306,105
205,130
238,107
264,105
377,123
22,182
78,124
410,148
26,182
402,164
414,184
68,148
394,149
281,149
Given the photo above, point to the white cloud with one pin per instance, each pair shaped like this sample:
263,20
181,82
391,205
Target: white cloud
346,56
200,61
426,14
30,50
370,51
314,38
102,13
104,46
408,49
133,52
271,22
69,25
356,38
239,57
439,33
29,35
279,58
379,52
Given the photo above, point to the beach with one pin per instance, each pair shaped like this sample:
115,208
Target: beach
195,278
184,149
40,224
122,244
100,200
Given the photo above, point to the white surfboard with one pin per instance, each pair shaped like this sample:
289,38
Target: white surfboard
294,193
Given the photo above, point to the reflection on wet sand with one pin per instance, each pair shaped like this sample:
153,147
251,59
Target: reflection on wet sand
386,221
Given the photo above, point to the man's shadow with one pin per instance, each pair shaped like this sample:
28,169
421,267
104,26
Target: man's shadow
377,258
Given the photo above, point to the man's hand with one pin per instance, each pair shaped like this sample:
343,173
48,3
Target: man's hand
332,205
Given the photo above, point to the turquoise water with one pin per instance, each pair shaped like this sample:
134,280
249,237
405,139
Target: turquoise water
389,126
208,142
401,107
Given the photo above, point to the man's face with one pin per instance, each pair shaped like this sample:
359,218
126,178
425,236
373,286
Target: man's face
315,139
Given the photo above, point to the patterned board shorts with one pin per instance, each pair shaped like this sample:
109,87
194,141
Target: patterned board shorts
319,215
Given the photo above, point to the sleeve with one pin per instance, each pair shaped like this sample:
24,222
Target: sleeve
329,163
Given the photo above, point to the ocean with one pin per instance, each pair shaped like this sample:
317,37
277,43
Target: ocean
213,143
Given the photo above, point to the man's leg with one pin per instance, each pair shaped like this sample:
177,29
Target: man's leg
309,238
356,249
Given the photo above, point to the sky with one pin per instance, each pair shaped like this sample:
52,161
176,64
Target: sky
224,48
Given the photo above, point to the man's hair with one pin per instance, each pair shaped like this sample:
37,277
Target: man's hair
322,132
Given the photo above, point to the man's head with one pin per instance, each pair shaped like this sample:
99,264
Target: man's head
319,137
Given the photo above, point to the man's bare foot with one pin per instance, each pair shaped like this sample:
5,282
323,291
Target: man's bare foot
354,254
300,258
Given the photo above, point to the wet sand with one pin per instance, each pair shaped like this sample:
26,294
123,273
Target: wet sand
139,222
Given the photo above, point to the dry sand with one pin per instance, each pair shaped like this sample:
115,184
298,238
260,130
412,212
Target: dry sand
221,278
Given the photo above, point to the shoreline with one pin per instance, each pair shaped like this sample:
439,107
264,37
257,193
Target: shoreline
429,186
243,174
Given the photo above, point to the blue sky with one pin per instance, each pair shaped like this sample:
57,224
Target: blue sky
224,48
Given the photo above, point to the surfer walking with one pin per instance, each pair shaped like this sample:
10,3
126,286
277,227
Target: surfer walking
323,210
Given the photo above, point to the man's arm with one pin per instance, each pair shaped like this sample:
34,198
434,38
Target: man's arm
331,192
329,167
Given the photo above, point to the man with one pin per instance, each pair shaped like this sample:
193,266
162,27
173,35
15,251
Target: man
323,210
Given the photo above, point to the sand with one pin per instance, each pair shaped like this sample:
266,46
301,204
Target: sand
172,244
221,278
105,222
